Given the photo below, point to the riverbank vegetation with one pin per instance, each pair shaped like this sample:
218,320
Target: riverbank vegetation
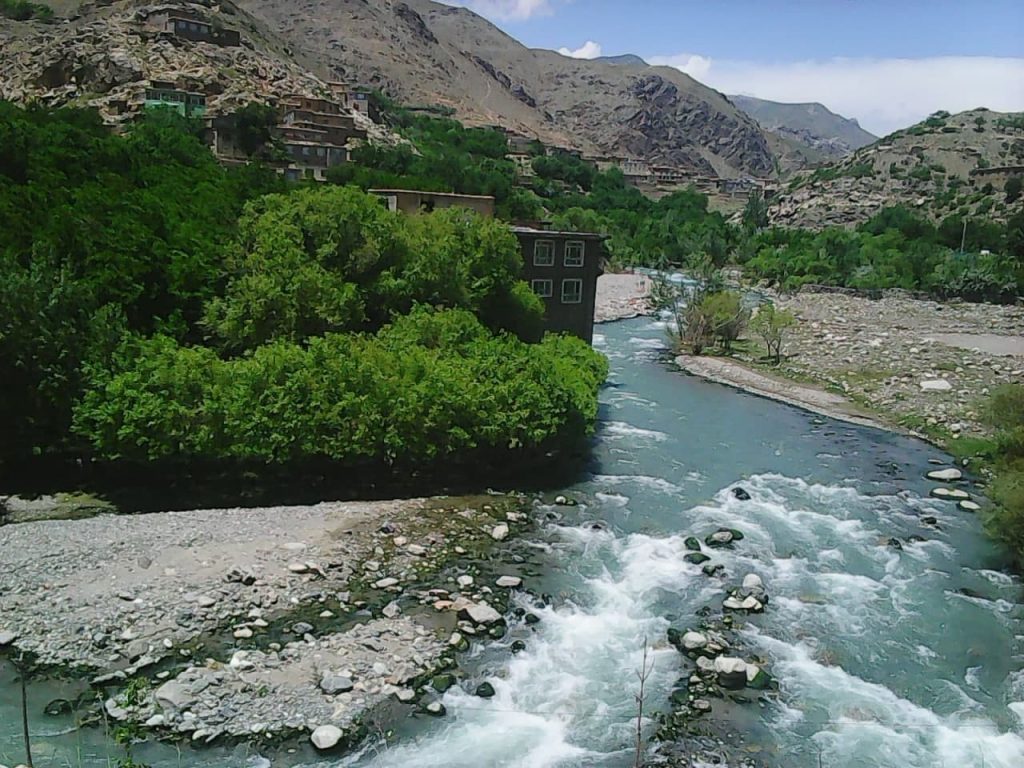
160,306
1006,521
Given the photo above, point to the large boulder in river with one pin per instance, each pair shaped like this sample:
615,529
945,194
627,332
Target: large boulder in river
945,475
696,558
740,494
692,543
732,672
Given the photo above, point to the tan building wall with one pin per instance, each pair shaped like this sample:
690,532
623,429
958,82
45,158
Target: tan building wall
411,201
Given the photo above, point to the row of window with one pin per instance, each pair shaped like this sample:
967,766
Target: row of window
544,253
572,290
191,26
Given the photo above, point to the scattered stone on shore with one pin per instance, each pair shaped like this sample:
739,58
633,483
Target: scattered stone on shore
945,475
509,582
936,385
500,532
950,494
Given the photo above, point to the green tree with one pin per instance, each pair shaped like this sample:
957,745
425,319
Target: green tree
772,325
1013,188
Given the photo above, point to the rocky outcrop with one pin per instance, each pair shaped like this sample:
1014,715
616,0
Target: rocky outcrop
931,168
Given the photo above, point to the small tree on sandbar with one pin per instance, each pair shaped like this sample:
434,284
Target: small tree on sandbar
772,325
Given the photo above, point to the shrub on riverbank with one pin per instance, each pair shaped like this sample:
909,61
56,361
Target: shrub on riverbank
433,384
1006,413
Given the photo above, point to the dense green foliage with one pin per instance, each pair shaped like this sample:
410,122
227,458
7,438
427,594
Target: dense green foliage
99,235
23,10
433,384
896,249
1006,413
158,305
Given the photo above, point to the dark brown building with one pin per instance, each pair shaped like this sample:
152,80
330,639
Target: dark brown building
562,268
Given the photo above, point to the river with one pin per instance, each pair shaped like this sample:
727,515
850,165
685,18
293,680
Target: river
882,661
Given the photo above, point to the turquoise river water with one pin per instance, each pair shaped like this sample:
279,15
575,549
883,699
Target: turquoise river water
882,660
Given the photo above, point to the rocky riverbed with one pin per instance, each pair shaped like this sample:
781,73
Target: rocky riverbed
260,623
894,355
923,366
622,296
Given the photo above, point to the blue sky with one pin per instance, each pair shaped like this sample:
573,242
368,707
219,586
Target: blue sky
886,63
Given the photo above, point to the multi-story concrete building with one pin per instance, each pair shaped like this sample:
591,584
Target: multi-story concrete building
562,269
190,26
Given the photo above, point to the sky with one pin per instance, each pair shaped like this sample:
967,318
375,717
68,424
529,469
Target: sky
887,63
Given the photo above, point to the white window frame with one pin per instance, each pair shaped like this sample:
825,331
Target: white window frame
579,290
549,260
575,261
545,288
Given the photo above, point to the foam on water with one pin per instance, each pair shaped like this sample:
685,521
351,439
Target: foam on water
621,430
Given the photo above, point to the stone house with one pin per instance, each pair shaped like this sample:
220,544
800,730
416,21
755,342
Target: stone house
162,95
190,26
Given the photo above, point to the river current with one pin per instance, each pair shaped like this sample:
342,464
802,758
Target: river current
885,657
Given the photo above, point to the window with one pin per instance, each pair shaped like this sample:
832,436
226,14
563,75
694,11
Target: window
543,288
574,253
572,291
544,253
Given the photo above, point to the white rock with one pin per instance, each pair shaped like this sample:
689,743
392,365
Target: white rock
945,475
455,639
950,494
240,661
752,581
751,604
406,695
298,567
205,601
509,582
7,637
730,665
500,532
936,385
155,721
385,583
969,506
482,613
416,549
326,736
391,610
401,541
694,640
464,581
173,696
242,633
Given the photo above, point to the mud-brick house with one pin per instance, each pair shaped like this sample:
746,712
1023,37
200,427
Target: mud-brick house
561,267
187,25
169,96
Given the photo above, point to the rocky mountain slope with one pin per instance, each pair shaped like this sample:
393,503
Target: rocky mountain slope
948,164
810,125
422,52
104,55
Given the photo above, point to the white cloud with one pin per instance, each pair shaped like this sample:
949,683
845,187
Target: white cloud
506,10
883,94
589,50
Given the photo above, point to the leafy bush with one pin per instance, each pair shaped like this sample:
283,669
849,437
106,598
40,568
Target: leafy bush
433,384
1006,520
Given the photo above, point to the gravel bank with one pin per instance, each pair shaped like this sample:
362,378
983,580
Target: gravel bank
261,623
924,366
907,360
622,296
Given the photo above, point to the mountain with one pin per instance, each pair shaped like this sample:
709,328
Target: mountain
417,52
626,59
423,52
948,164
808,125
